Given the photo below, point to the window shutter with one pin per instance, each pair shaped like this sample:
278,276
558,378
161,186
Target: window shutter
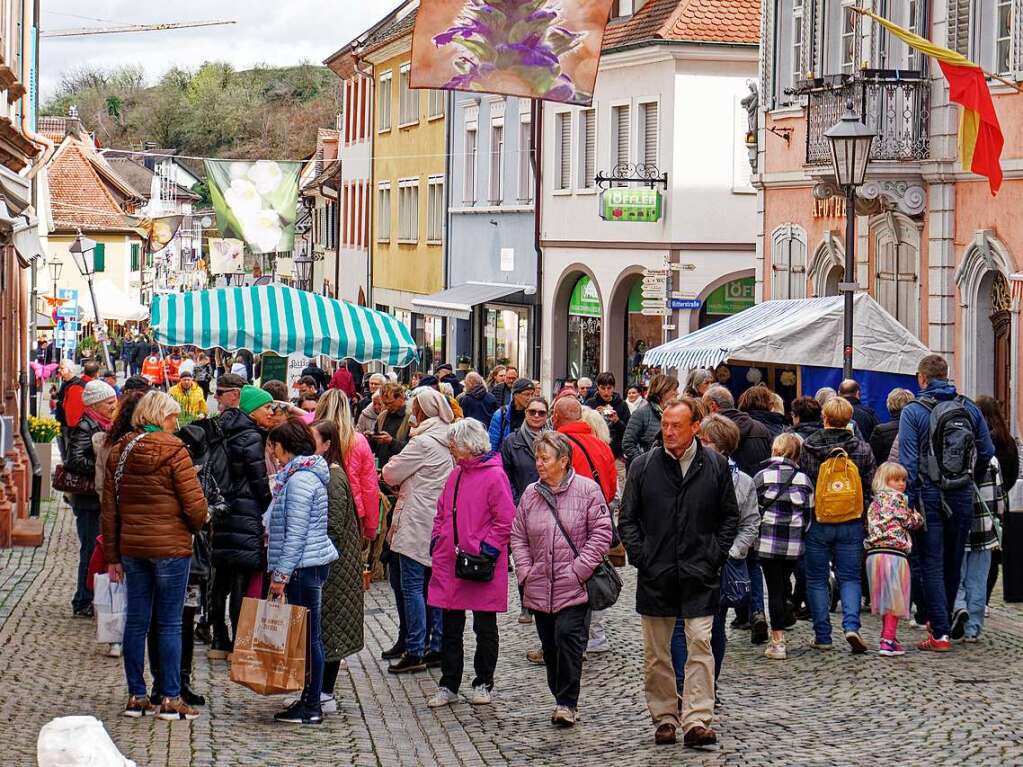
959,26
621,135
650,128
589,148
564,151
99,257
135,256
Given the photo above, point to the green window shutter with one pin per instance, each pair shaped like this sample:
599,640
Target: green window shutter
135,256
99,257
149,260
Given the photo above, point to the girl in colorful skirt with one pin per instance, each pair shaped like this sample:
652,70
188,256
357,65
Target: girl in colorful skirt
888,544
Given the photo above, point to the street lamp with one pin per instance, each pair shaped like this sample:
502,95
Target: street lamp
850,152
83,251
303,269
56,266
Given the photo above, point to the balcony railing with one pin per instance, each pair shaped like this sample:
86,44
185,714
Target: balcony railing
896,104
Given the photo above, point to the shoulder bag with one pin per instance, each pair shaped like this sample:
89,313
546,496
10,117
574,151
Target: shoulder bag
469,567
65,481
605,585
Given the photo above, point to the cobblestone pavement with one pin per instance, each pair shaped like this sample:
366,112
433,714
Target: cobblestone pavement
819,709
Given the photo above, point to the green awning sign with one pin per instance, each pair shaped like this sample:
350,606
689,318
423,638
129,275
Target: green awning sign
635,205
585,302
732,297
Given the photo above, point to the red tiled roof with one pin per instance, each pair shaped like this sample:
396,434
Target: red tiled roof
78,197
704,21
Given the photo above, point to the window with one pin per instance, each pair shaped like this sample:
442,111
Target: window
384,212
588,148
408,99
435,210
408,210
527,181
990,32
788,262
649,132
621,8
436,104
1003,41
840,29
496,164
898,254
620,136
563,137
797,41
384,103
99,258
471,151
136,261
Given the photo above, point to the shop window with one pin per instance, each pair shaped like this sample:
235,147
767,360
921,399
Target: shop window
505,337
585,316
731,298
788,262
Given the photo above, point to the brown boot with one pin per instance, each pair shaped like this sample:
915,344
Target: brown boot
172,709
698,737
666,735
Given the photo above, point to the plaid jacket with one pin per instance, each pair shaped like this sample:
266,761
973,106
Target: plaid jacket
990,503
785,495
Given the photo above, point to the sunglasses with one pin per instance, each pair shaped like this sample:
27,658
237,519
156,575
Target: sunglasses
222,392
534,411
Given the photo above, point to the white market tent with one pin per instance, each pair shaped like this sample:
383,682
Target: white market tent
113,303
798,332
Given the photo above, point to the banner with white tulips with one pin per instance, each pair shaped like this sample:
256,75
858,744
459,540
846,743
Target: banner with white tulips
256,202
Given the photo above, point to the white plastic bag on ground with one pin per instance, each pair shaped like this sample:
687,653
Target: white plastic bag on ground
78,741
110,601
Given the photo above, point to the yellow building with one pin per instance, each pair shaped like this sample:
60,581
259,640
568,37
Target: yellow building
408,184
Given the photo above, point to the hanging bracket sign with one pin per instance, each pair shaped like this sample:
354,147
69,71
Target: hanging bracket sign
634,205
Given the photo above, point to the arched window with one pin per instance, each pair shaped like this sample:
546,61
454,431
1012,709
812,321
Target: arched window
788,262
897,281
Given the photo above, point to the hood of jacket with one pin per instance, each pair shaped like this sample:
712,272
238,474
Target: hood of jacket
806,429
821,443
314,464
479,393
489,461
742,420
940,390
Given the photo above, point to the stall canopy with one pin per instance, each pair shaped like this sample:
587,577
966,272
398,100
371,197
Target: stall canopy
457,302
113,303
283,320
798,332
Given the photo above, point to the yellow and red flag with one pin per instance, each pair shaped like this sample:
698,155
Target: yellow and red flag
980,135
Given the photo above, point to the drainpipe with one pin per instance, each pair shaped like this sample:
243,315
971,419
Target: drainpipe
449,134
536,134
26,435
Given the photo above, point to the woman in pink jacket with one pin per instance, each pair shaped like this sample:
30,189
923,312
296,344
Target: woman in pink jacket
477,498
357,458
548,569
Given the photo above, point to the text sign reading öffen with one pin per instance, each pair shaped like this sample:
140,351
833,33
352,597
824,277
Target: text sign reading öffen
633,205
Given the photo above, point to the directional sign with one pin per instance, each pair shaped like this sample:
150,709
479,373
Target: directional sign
653,303
686,303
667,327
655,291
684,267
662,311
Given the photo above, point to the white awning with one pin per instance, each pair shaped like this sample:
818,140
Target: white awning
113,303
457,302
798,332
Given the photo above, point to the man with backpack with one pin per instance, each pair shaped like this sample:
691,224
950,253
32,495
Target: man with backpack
945,445
841,467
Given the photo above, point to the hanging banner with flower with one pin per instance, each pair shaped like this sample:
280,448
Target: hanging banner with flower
256,202
545,49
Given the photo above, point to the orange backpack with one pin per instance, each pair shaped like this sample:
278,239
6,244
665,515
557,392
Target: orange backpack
839,492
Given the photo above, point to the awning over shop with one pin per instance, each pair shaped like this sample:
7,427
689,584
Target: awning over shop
457,302
283,320
798,332
113,303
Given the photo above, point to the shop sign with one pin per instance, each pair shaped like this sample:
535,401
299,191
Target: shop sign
584,301
732,297
634,205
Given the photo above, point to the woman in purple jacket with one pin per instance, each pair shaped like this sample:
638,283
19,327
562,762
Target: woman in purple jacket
549,570
478,499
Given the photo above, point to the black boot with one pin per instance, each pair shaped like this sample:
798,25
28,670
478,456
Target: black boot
188,695
187,648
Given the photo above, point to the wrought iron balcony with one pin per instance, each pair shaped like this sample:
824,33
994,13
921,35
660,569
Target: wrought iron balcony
896,104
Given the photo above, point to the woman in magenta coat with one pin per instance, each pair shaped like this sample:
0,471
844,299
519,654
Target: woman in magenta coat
478,494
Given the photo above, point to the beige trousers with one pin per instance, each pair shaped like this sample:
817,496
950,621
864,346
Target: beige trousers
662,699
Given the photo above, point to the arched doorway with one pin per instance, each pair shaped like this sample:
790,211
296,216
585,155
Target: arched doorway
576,331
632,332
732,295
827,268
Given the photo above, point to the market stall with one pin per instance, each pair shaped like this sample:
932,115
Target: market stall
796,345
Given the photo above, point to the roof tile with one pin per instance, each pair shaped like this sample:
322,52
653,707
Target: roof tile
78,198
713,21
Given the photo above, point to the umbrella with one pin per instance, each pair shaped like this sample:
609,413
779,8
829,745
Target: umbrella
280,319
113,303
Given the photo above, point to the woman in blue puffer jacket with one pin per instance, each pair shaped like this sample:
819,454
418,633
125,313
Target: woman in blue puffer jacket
300,550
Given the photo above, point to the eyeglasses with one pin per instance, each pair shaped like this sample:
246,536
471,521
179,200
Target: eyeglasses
533,411
222,392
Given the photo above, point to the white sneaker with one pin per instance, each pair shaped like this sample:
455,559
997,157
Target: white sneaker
443,697
775,651
480,695
987,611
598,645
114,651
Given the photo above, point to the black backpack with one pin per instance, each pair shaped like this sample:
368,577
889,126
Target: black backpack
950,455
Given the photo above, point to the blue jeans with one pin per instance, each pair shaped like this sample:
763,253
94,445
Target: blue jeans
159,584
414,578
86,512
718,643
972,595
756,578
840,546
394,578
305,589
938,552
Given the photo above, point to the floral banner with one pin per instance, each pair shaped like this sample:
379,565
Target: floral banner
545,49
256,202
227,256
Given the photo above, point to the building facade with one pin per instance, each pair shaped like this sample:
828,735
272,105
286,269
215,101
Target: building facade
931,243
667,101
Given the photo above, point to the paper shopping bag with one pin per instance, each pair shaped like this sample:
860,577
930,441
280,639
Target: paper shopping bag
270,647
110,603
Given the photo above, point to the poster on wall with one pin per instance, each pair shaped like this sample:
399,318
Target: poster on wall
544,49
256,202
227,256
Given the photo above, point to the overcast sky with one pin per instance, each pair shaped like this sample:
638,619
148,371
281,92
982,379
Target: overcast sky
276,32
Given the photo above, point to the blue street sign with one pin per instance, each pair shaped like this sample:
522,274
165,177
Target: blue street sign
686,303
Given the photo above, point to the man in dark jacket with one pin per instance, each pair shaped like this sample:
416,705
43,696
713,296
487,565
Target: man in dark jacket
806,417
838,545
502,390
754,438
142,350
938,548
476,402
679,518
238,540
610,404
318,374
883,439
128,355
864,416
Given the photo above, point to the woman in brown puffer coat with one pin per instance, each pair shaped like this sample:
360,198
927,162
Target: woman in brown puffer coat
152,504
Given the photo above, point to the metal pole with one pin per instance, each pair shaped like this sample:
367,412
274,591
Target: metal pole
850,279
99,326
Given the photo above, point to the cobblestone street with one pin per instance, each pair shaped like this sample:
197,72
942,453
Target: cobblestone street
825,709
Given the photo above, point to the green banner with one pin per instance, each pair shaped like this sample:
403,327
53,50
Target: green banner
732,297
256,202
631,204
585,302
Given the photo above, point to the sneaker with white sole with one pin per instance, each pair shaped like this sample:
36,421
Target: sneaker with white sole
598,644
776,651
327,701
443,697
480,695
114,651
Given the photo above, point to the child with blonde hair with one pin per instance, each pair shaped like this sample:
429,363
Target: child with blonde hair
889,522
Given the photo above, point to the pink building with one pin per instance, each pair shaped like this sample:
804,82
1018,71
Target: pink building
932,245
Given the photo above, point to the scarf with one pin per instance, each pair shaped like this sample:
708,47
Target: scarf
530,435
547,493
151,428
104,422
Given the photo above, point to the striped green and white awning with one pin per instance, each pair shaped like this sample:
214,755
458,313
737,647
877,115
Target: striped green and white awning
280,319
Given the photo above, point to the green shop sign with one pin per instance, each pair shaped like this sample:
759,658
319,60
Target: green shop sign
631,204
732,297
584,301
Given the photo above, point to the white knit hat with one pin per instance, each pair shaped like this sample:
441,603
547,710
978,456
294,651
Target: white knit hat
97,391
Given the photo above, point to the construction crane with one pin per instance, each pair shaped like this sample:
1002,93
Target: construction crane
133,28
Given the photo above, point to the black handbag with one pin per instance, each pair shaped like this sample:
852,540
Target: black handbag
469,567
605,585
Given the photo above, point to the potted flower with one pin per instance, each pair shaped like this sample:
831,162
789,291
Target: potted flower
44,431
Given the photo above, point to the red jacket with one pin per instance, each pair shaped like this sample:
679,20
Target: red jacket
97,565
586,443
343,380
74,407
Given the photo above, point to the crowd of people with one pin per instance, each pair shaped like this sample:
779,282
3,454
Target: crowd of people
778,511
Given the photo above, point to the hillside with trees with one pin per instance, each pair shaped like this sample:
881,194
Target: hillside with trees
213,111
